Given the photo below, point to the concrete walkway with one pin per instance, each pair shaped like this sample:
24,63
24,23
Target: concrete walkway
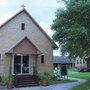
64,86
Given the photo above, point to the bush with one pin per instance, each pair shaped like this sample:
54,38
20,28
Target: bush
7,79
45,76
54,78
45,79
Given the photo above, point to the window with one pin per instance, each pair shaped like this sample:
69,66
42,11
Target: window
42,59
77,62
80,61
83,62
23,26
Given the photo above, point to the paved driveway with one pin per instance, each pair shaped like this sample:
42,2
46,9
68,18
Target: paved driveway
65,86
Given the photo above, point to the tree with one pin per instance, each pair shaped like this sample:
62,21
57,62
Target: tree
72,28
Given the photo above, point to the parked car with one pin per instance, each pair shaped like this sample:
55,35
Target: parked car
82,69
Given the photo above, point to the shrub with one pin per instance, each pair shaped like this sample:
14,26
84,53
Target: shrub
7,79
45,76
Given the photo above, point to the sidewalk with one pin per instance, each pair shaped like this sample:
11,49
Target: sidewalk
63,86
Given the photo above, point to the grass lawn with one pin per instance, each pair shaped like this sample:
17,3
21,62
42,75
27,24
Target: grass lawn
61,81
82,75
85,86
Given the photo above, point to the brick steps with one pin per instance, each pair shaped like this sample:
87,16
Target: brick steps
26,81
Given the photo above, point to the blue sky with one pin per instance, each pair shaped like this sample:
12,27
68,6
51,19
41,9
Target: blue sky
43,11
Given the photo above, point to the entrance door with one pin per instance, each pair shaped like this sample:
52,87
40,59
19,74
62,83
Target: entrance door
21,64
25,64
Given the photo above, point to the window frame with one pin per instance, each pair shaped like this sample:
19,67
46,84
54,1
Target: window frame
22,26
42,59
77,61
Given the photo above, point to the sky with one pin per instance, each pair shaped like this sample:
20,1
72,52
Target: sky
43,11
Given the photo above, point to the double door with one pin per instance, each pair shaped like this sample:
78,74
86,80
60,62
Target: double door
21,64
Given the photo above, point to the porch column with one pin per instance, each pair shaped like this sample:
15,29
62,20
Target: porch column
35,72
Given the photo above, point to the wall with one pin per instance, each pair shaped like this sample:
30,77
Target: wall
80,63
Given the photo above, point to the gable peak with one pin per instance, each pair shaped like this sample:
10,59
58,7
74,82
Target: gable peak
34,21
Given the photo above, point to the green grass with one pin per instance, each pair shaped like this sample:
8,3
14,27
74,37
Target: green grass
82,75
84,86
61,81
72,70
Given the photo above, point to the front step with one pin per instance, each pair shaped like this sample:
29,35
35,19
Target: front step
26,81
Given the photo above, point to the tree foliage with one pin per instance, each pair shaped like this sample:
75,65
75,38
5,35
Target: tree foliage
72,28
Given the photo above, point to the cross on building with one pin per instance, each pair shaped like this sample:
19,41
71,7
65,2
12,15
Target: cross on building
23,6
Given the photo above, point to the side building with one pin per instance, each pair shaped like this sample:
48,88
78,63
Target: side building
80,63
59,60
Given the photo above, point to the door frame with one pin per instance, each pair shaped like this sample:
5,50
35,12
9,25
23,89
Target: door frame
12,69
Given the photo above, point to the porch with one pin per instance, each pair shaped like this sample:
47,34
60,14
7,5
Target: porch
24,70
24,63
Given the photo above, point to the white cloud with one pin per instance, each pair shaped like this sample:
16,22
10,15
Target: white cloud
2,2
56,52
47,28
48,4
4,18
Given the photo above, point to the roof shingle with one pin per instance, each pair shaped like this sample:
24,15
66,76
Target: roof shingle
61,59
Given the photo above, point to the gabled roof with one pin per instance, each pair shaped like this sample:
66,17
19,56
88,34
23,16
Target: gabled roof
25,46
61,59
24,10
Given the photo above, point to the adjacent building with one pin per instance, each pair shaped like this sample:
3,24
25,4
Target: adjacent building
80,63
60,60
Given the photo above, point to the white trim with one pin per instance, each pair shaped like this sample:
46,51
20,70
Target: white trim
12,69
21,64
